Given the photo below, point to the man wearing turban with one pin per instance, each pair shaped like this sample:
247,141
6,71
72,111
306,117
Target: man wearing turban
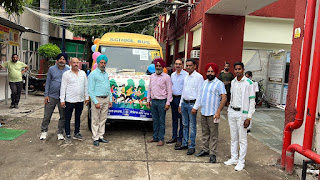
159,98
211,99
51,96
101,99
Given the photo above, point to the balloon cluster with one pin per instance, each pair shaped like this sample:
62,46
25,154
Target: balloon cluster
95,54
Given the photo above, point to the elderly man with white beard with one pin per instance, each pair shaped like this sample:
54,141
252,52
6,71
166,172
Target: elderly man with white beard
101,99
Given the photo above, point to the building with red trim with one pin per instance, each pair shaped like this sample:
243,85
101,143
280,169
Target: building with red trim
250,31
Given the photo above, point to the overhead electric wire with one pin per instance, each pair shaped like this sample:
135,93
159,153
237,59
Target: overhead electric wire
67,21
106,19
61,13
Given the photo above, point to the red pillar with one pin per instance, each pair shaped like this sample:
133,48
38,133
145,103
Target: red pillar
290,111
222,40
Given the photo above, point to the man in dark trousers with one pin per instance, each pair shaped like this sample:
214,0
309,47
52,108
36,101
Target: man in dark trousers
226,77
51,96
177,79
15,78
159,99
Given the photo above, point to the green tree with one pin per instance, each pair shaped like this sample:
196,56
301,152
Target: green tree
14,6
91,6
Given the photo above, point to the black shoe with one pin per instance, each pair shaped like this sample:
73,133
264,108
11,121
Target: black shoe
171,141
103,140
96,143
212,159
248,130
180,147
178,144
191,151
202,153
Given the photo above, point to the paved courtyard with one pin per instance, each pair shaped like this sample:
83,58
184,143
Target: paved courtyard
127,155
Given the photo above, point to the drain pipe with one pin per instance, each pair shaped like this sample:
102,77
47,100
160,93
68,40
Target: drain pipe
311,110
303,80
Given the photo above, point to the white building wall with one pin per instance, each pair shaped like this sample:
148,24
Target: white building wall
28,20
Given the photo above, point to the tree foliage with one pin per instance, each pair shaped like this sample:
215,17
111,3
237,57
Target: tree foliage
14,6
90,6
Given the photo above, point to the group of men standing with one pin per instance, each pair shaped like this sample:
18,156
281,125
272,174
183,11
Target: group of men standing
187,91
69,89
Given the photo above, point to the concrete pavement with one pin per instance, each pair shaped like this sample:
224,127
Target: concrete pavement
126,156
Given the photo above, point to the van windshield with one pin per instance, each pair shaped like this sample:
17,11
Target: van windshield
127,59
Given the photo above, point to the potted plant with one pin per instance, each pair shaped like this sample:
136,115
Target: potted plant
49,52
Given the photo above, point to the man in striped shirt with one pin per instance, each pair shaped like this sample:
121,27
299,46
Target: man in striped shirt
211,98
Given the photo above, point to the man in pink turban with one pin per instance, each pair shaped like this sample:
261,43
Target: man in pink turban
159,98
211,99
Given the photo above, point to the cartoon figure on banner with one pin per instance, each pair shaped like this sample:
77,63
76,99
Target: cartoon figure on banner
114,93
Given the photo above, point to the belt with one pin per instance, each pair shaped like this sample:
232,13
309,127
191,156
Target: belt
102,97
179,96
236,109
189,101
158,99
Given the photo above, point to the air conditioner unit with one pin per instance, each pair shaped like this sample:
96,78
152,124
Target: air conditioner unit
195,54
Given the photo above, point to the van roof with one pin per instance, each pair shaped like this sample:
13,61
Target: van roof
129,40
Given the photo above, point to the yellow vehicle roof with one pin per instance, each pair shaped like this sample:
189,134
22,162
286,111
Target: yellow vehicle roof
129,40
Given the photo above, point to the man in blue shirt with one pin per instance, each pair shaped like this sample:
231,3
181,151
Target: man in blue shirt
51,99
177,79
101,99
211,98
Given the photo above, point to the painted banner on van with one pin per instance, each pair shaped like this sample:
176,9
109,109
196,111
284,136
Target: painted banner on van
129,97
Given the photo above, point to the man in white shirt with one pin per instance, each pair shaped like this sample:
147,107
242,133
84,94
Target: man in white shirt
177,79
191,86
240,111
73,92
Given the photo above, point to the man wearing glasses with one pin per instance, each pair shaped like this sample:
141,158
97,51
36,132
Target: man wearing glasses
177,79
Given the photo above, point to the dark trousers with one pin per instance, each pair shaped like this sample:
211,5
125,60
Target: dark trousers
16,88
176,119
78,110
159,118
48,110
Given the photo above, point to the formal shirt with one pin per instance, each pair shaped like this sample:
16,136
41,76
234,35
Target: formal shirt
74,88
160,87
209,96
53,82
191,86
237,93
243,96
14,70
177,82
99,85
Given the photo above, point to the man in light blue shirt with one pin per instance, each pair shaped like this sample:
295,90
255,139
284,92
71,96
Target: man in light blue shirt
211,98
52,95
101,99
177,79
